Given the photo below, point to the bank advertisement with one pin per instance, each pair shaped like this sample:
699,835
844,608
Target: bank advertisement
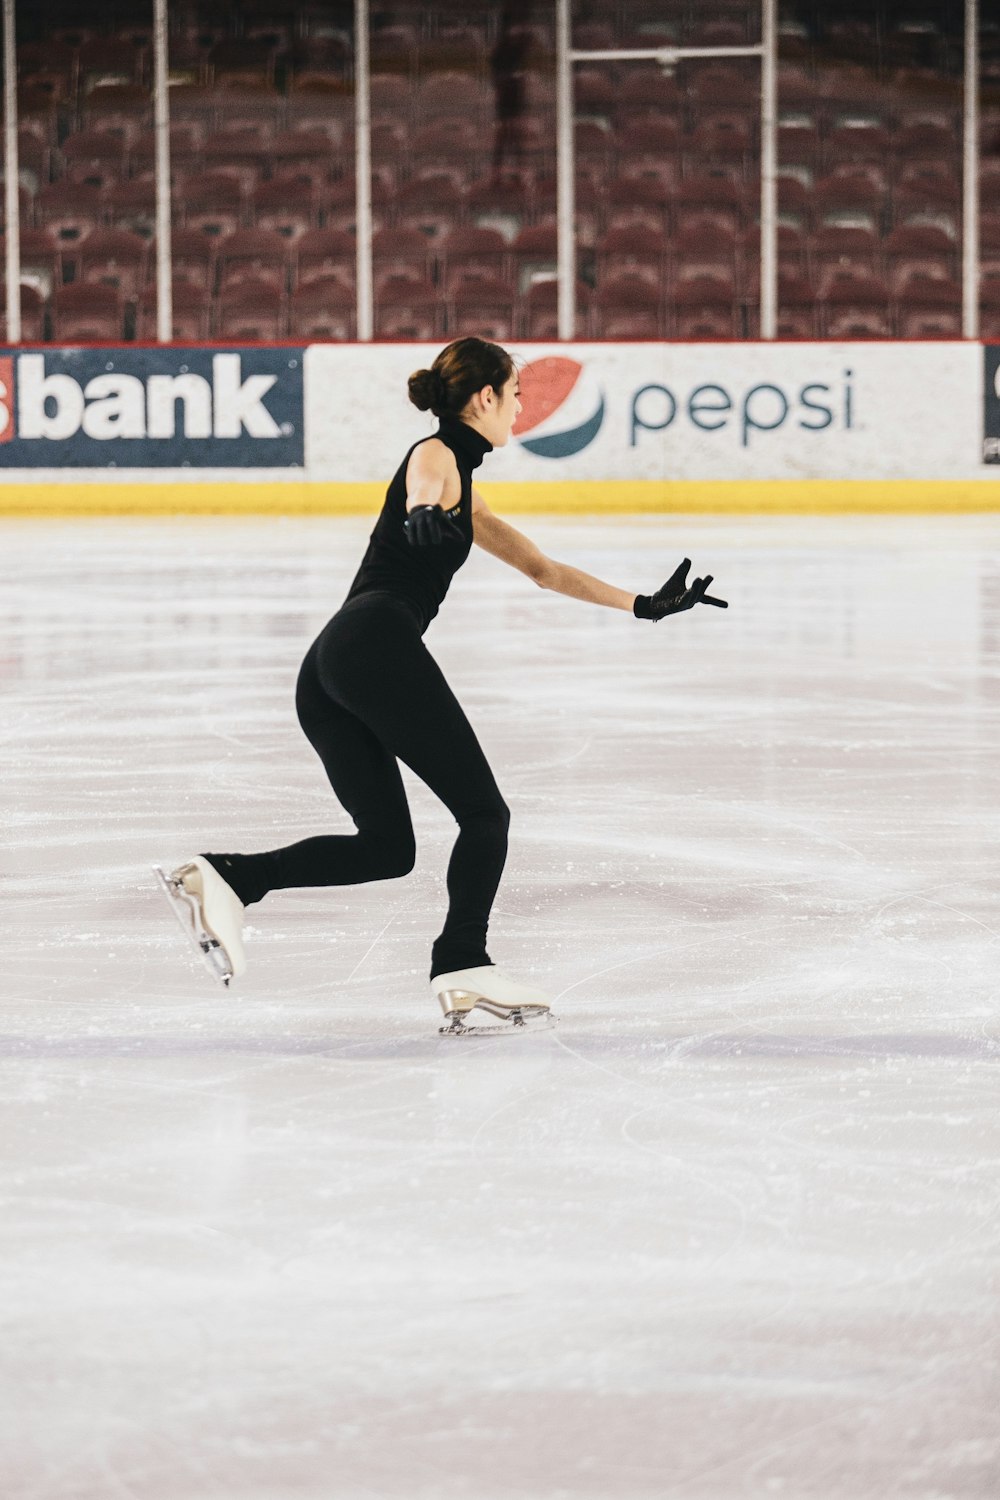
163,408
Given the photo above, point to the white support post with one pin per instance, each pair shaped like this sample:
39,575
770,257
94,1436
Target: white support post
565,176
161,125
970,176
12,203
769,171
363,172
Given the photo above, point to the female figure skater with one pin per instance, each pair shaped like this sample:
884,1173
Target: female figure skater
370,694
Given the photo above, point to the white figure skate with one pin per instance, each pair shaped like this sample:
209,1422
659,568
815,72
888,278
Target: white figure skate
211,915
517,1006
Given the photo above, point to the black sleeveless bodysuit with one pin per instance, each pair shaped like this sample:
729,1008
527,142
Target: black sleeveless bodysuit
420,576
370,695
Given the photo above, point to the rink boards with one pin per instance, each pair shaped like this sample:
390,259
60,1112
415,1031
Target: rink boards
652,427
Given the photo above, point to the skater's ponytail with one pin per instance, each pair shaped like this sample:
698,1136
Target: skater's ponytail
461,369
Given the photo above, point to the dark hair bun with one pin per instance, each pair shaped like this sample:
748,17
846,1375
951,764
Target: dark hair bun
426,390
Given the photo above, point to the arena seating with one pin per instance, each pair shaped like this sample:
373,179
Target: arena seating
463,160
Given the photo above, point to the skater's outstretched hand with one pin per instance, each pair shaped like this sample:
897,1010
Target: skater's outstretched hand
676,595
427,526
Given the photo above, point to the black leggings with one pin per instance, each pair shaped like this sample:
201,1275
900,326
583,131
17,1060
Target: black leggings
370,692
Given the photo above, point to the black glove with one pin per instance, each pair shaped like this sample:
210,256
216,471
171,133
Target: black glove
427,526
675,596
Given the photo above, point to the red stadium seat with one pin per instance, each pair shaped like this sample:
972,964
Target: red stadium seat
799,143
212,202
84,314
400,252
306,154
927,140
629,305
34,160
636,247
192,256
989,307
861,195
798,313
594,94
700,299
113,257
287,205
855,141
32,313
194,104
190,313
323,309
70,210
637,194
454,46
475,250
132,205
431,201
258,254
989,243
722,142
254,310
703,248
594,36
185,153
645,87
41,261
480,303
321,59
534,254
928,193
239,154
94,157
928,306
324,253
108,59
504,202
242,59
855,305
393,49
717,33
446,94
408,307
919,248
540,316
325,105
836,249
124,109
724,83
38,111
710,197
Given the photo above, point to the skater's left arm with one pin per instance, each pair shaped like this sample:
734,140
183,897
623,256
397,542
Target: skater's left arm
512,546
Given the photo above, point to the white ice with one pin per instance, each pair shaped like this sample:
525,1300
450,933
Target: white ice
731,1232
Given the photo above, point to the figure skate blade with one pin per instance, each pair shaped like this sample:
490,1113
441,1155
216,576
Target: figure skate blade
530,1018
186,909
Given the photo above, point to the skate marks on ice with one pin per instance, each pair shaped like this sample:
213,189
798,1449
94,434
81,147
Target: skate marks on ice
729,1233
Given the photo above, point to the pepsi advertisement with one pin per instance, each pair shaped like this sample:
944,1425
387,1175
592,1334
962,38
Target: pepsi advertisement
127,408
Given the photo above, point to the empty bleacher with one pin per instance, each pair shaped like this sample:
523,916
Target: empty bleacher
464,172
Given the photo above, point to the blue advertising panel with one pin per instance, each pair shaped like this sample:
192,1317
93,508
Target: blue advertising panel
128,408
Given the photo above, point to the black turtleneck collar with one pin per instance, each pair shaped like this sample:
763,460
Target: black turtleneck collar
470,443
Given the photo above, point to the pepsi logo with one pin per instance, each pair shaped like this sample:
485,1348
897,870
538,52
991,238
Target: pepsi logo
562,407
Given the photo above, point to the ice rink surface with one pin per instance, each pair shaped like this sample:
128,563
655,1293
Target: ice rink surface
730,1232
